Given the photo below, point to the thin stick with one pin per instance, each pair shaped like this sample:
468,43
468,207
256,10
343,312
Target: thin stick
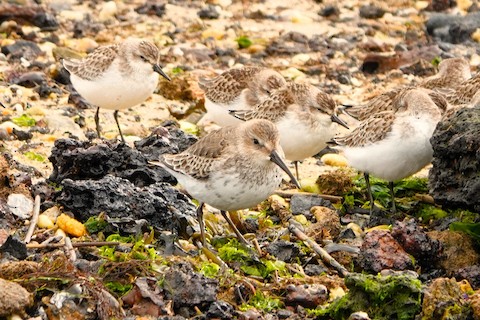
289,194
74,244
33,222
69,250
318,250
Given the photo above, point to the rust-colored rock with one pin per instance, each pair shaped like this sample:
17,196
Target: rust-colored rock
381,251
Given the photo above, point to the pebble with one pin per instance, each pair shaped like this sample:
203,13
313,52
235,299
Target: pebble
62,124
20,205
334,160
108,11
13,298
329,10
371,12
45,222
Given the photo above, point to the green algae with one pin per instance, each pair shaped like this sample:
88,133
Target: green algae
395,296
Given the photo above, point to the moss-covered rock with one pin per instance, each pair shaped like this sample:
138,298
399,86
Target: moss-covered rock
394,296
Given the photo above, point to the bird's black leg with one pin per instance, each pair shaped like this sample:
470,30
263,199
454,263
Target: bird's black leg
369,189
392,193
232,225
200,222
97,122
115,115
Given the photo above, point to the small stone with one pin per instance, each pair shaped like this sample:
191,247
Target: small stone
152,8
307,295
220,310
327,225
45,222
13,298
371,12
329,11
108,11
62,124
20,205
301,204
334,160
284,250
209,12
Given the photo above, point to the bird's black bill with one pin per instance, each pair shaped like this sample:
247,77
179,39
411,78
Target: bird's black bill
336,119
159,70
275,158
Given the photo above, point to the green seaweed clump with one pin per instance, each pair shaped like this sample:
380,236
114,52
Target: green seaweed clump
396,296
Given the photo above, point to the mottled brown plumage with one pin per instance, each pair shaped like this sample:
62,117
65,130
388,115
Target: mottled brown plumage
229,85
453,73
93,65
369,131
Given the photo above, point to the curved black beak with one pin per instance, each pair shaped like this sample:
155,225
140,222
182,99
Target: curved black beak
159,70
336,119
275,158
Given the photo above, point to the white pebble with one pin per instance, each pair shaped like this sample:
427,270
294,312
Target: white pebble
20,205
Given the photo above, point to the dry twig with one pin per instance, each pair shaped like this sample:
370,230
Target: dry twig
33,222
318,250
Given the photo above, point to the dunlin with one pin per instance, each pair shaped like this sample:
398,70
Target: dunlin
233,168
238,89
117,76
451,74
304,115
395,144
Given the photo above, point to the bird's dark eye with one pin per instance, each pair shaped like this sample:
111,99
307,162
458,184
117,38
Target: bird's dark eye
143,58
255,141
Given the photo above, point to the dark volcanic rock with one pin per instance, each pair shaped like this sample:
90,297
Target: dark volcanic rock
28,14
160,203
454,179
381,251
152,8
284,250
416,242
371,12
453,28
15,248
301,204
167,138
187,288
209,12
221,310
289,43
22,49
472,274
80,160
329,10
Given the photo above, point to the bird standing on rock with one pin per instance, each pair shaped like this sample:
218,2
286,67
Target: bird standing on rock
233,168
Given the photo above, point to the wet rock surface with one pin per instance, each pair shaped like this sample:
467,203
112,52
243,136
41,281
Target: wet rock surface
416,241
381,251
454,178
